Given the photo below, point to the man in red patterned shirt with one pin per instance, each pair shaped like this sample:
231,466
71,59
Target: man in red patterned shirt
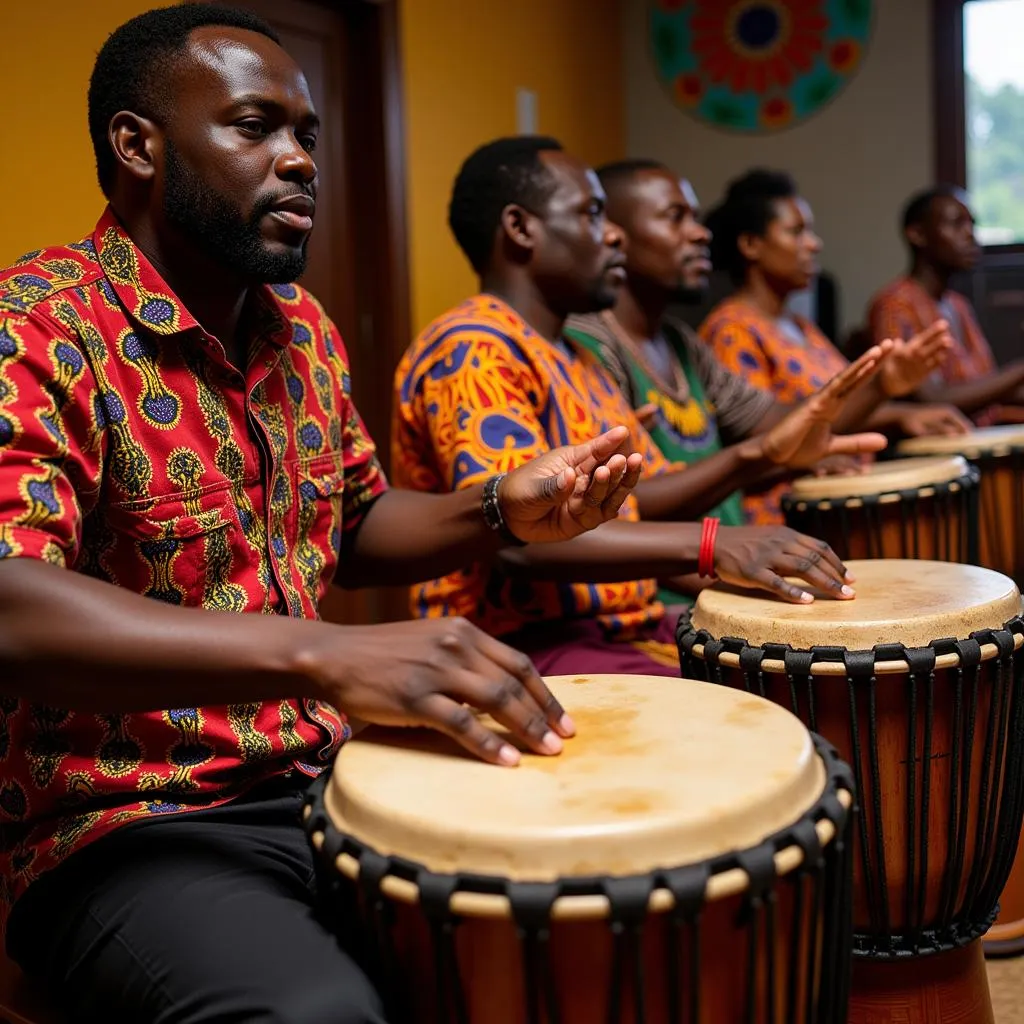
938,227
176,424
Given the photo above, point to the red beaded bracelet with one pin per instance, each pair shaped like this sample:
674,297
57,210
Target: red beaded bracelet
706,557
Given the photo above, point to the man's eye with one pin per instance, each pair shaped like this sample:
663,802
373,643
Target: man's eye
253,126
308,142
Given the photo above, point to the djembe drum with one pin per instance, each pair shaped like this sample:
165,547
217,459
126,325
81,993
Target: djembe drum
906,508
918,682
998,453
683,861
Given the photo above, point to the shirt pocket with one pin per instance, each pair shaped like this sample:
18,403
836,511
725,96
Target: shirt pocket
188,544
315,520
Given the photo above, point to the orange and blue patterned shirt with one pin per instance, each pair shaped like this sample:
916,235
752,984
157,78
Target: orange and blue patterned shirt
752,344
131,451
480,392
903,309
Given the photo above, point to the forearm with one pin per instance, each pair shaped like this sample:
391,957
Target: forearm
75,642
409,536
617,551
887,417
974,395
689,493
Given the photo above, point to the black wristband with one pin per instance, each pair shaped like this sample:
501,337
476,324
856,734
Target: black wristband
492,512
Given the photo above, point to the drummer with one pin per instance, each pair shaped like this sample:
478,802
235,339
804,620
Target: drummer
938,228
696,404
176,424
765,238
493,382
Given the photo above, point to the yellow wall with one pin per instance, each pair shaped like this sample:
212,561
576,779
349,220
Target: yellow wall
463,61
47,171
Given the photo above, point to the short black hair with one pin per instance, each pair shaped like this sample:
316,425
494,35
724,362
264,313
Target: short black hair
497,174
613,176
919,205
131,68
747,209
617,171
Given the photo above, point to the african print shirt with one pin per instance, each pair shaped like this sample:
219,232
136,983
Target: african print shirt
479,393
131,451
751,343
904,308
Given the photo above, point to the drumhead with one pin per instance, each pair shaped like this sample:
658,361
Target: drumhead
663,772
908,601
883,478
987,441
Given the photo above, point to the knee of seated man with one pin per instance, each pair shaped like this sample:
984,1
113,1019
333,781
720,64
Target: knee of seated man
347,997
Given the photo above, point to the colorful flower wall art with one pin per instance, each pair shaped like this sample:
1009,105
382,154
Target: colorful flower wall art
757,65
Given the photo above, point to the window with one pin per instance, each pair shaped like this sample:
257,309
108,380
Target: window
979,102
994,117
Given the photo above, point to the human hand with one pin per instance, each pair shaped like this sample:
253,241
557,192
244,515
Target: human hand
570,490
804,436
911,362
434,673
759,557
923,420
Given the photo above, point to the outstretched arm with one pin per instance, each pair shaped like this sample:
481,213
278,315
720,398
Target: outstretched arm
409,536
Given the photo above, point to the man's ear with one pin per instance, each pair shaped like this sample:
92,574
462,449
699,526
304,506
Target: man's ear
915,236
137,143
519,226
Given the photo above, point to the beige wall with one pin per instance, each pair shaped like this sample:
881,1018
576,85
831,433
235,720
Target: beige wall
856,161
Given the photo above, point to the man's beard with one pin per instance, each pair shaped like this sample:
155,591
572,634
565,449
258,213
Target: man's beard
690,294
602,296
210,221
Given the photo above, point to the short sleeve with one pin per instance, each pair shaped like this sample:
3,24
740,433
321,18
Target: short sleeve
364,476
890,317
738,349
50,439
476,402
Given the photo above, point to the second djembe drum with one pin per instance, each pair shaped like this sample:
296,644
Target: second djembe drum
906,508
918,683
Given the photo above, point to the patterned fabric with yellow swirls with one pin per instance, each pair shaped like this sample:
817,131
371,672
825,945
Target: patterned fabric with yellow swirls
480,392
126,454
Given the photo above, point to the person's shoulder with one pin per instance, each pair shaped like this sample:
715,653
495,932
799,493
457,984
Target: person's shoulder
478,320
897,290
590,326
33,284
729,315
960,302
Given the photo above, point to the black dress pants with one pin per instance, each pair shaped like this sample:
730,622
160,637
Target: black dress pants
207,916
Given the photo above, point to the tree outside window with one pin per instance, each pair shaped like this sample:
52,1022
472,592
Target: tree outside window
994,117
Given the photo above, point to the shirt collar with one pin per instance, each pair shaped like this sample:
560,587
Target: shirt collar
150,301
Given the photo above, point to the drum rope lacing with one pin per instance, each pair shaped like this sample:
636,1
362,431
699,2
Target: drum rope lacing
805,514
968,904
630,899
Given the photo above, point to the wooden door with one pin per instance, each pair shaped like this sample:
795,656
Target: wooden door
357,264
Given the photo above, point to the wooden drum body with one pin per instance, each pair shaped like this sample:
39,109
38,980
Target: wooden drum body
684,861
907,508
919,682
998,453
